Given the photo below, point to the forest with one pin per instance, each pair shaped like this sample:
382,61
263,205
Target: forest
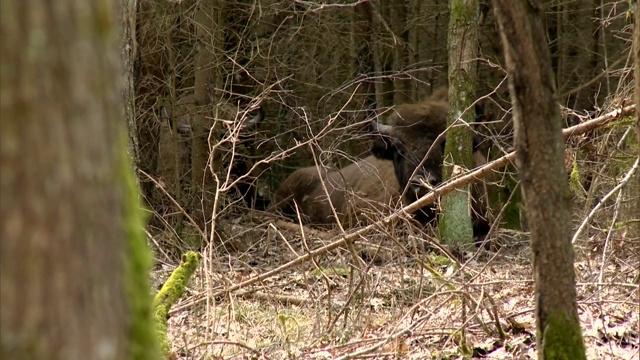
345,179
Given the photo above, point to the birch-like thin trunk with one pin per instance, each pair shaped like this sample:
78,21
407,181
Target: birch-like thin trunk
455,225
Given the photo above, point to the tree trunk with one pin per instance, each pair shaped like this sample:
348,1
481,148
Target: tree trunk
70,286
150,90
575,46
634,210
413,39
128,53
205,81
540,160
455,221
363,53
401,87
379,59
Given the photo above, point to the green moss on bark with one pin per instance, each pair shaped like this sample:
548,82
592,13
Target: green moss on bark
575,180
143,340
508,196
455,225
463,12
562,339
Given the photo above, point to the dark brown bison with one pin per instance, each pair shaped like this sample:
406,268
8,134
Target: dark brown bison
411,138
372,184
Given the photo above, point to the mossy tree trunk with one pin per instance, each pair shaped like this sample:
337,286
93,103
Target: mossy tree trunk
73,259
540,159
455,221
507,197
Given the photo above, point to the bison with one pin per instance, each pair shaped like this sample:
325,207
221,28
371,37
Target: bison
355,192
411,140
350,195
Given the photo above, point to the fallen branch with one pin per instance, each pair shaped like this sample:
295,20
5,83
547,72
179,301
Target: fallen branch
443,189
282,299
499,163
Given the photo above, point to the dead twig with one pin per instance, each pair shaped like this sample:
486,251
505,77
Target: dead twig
282,299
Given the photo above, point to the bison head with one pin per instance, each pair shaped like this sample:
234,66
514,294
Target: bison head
412,139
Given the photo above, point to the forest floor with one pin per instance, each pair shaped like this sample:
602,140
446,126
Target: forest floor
384,299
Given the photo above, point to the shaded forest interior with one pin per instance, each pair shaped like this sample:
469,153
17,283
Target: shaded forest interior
236,100
318,74
320,179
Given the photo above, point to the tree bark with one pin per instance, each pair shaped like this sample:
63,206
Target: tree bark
634,231
65,215
128,52
205,82
455,225
151,90
401,86
363,52
540,160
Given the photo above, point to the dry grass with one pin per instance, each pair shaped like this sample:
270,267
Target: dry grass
402,304
396,294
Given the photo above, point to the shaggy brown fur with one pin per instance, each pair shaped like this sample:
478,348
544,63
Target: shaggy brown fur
370,185
358,193
410,136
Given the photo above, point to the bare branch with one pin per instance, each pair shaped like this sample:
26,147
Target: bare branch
315,7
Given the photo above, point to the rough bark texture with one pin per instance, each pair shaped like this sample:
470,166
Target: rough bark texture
634,232
455,222
64,286
540,159
201,173
128,54
401,85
